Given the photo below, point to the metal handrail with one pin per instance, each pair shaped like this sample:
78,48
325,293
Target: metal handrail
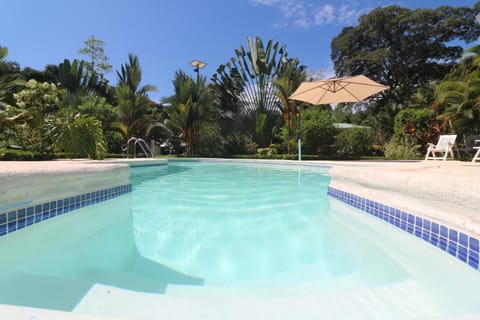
143,145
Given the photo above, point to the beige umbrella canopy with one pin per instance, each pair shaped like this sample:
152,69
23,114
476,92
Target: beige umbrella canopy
336,90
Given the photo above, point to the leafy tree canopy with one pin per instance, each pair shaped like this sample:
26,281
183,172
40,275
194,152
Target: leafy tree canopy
404,48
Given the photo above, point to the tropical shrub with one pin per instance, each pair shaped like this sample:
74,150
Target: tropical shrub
317,131
81,136
418,124
240,144
405,148
209,141
354,142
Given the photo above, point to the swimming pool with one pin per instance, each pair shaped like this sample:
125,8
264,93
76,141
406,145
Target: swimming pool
262,231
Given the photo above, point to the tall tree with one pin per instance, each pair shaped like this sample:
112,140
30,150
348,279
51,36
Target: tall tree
98,61
404,48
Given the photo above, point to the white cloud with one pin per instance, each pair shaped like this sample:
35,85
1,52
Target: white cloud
324,15
265,2
302,23
308,13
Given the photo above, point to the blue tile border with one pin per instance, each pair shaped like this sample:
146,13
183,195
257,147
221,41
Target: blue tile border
18,218
458,244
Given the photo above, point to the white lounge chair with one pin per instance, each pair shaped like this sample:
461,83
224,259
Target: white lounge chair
477,154
444,145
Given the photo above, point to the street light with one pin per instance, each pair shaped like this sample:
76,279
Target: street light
197,64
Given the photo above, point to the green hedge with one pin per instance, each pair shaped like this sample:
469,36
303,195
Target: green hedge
21,155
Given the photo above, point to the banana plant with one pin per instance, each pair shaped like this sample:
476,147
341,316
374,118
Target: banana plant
75,79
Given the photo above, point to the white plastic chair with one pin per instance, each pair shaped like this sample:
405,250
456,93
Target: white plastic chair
475,157
444,145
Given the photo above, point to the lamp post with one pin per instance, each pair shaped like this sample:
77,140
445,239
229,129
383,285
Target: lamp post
197,64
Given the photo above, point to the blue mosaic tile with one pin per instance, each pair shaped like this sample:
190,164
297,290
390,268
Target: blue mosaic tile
463,239
12,226
434,239
444,231
411,219
462,253
404,216
462,258
21,223
27,216
418,221
426,236
435,228
410,228
453,235
443,243
397,223
473,264
472,255
21,213
426,224
418,231
12,216
452,248
474,244
473,259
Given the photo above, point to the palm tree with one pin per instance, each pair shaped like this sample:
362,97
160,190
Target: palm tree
461,102
290,78
133,102
8,82
458,96
188,105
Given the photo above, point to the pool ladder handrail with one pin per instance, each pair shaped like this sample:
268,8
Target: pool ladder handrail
143,145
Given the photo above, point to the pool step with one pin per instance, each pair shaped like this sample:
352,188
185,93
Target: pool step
396,301
268,290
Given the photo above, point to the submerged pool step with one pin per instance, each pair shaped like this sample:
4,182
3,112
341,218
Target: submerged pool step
396,301
267,290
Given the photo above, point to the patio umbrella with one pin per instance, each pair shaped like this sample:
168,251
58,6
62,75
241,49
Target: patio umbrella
336,90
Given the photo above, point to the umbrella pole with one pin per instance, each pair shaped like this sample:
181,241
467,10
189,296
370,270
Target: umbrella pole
299,149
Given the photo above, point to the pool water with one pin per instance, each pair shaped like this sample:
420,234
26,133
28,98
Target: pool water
232,223
267,229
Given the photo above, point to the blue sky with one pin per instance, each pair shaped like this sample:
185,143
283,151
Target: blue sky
167,35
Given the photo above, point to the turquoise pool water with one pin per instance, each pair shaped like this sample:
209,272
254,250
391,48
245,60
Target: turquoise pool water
264,228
